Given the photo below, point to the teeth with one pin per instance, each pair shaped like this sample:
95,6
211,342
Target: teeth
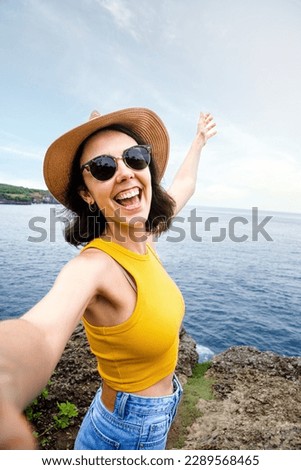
128,194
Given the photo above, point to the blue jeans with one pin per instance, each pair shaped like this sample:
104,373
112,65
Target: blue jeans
137,422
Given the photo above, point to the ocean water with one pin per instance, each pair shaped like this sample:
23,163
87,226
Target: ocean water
239,272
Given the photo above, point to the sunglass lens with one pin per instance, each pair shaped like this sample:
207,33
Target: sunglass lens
137,158
103,168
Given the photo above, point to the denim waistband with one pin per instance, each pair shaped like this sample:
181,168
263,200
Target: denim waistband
138,404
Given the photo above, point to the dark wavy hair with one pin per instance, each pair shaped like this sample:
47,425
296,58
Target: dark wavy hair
82,226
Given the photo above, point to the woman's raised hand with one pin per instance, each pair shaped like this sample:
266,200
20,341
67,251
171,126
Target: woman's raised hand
205,128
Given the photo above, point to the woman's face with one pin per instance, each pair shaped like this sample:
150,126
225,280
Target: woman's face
126,197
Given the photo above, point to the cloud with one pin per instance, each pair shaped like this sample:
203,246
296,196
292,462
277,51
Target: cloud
109,54
25,182
239,169
216,193
122,15
14,145
21,152
59,23
143,21
259,165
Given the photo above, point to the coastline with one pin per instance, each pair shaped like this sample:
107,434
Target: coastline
23,203
20,195
256,398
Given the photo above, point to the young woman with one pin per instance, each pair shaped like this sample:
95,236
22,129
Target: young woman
107,172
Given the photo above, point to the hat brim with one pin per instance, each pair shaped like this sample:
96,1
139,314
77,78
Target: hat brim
60,155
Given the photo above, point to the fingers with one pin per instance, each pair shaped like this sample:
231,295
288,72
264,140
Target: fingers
210,126
206,117
206,121
211,134
206,128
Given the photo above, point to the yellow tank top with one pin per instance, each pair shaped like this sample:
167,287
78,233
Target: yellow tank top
139,352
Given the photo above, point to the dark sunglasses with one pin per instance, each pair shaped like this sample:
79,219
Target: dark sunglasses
104,167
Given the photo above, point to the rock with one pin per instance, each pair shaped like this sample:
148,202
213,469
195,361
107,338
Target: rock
257,406
188,356
76,380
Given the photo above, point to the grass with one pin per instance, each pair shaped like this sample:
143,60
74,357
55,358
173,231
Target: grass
197,387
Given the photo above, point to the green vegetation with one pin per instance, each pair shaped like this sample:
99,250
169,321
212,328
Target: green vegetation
19,194
197,387
31,412
61,419
50,417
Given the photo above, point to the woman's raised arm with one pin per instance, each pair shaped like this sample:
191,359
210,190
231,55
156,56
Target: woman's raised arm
184,182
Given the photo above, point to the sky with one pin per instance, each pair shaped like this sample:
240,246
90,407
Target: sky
238,59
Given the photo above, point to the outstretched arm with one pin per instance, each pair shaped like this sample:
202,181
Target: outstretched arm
31,346
24,370
184,182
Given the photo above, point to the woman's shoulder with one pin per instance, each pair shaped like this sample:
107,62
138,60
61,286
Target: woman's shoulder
94,258
88,262
92,266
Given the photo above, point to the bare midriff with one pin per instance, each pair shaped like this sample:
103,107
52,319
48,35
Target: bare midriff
162,388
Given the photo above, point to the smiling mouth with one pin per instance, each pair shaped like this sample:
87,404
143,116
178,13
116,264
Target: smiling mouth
128,199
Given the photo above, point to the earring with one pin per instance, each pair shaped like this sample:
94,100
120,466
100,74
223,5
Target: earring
92,207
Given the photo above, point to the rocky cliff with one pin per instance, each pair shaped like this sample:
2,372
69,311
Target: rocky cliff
257,397
257,406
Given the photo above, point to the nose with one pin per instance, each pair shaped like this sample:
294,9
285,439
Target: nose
123,172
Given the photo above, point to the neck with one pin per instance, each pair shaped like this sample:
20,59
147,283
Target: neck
130,237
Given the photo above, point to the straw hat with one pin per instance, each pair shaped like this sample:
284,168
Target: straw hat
141,121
